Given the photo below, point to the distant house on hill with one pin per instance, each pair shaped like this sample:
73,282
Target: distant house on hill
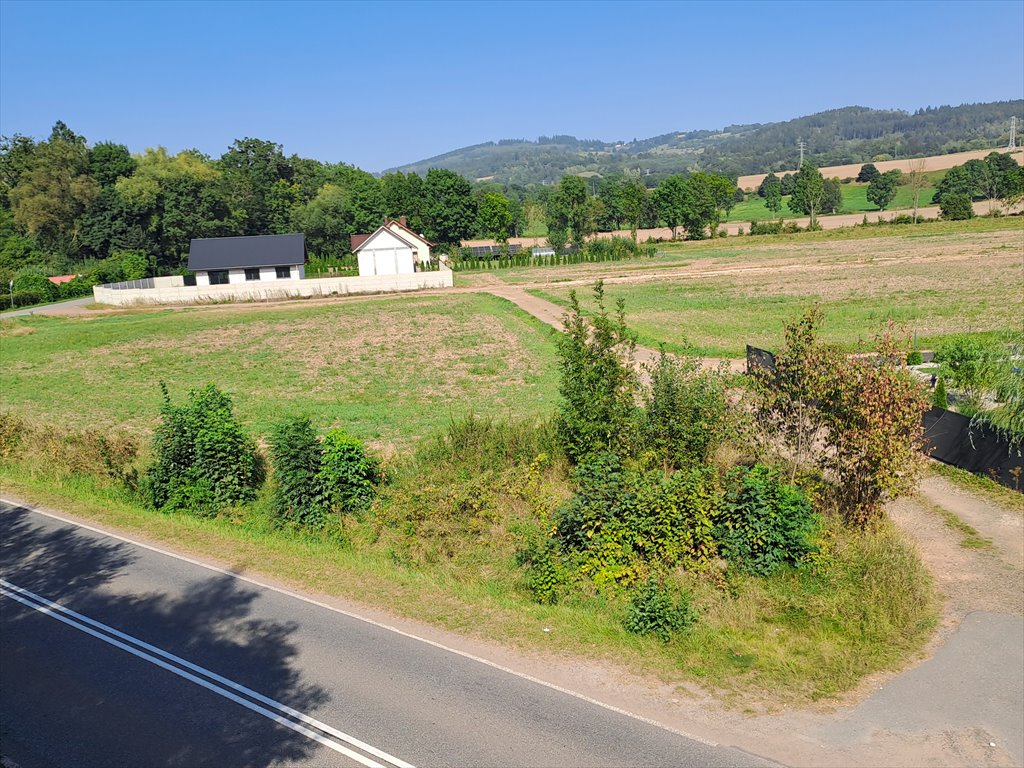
393,249
232,260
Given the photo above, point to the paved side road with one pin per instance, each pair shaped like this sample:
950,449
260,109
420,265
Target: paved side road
116,654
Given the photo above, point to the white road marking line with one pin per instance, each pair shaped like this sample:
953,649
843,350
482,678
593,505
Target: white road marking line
214,676
380,625
81,622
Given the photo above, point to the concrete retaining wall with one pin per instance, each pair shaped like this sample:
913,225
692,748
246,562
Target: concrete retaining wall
172,290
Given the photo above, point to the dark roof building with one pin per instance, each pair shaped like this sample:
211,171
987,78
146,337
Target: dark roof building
218,253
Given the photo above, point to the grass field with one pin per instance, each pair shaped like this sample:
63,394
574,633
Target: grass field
389,371
854,201
439,545
724,298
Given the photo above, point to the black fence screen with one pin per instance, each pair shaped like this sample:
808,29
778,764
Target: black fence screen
952,439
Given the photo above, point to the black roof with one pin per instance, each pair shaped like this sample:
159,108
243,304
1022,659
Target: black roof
207,253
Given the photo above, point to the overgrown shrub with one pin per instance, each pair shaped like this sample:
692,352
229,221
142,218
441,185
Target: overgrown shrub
914,358
856,418
108,456
546,573
483,443
12,434
598,384
653,610
765,523
201,443
685,412
621,523
295,454
348,474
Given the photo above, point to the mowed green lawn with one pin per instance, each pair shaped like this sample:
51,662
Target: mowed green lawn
390,370
854,201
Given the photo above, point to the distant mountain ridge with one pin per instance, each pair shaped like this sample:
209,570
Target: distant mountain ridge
834,137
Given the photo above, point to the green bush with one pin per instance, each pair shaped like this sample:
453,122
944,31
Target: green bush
134,265
29,298
956,207
685,412
939,397
766,227
653,611
31,280
545,572
914,358
296,455
765,523
201,444
622,523
348,474
598,385
72,289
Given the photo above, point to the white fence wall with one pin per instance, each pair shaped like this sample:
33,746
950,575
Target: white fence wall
172,290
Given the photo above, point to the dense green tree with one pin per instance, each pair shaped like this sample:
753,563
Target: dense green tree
284,200
108,162
327,222
969,179
832,200
788,183
868,173
633,199
403,196
569,209
449,207
365,198
772,187
495,216
704,198
668,199
808,192
882,190
762,189
16,153
54,191
173,199
1005,177
250,169
609,192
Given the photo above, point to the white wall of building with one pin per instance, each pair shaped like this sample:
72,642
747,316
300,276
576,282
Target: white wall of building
385,253
172,290
267,274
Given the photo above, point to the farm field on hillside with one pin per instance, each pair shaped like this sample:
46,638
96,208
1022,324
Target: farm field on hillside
933,285
389,371
854,201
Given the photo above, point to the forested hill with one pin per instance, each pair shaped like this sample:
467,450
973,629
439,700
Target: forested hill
835,137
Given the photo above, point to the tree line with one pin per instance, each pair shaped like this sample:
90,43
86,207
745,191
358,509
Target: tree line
66,206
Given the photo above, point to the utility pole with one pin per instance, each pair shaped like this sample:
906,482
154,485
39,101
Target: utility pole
1013,133
803,145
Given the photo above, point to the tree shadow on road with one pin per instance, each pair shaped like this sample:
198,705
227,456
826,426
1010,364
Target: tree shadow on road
92,703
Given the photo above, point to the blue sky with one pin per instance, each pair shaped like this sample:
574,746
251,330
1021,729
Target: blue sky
381,84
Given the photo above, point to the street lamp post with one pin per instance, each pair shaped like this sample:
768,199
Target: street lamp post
10,285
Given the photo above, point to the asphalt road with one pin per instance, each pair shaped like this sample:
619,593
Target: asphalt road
115,654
